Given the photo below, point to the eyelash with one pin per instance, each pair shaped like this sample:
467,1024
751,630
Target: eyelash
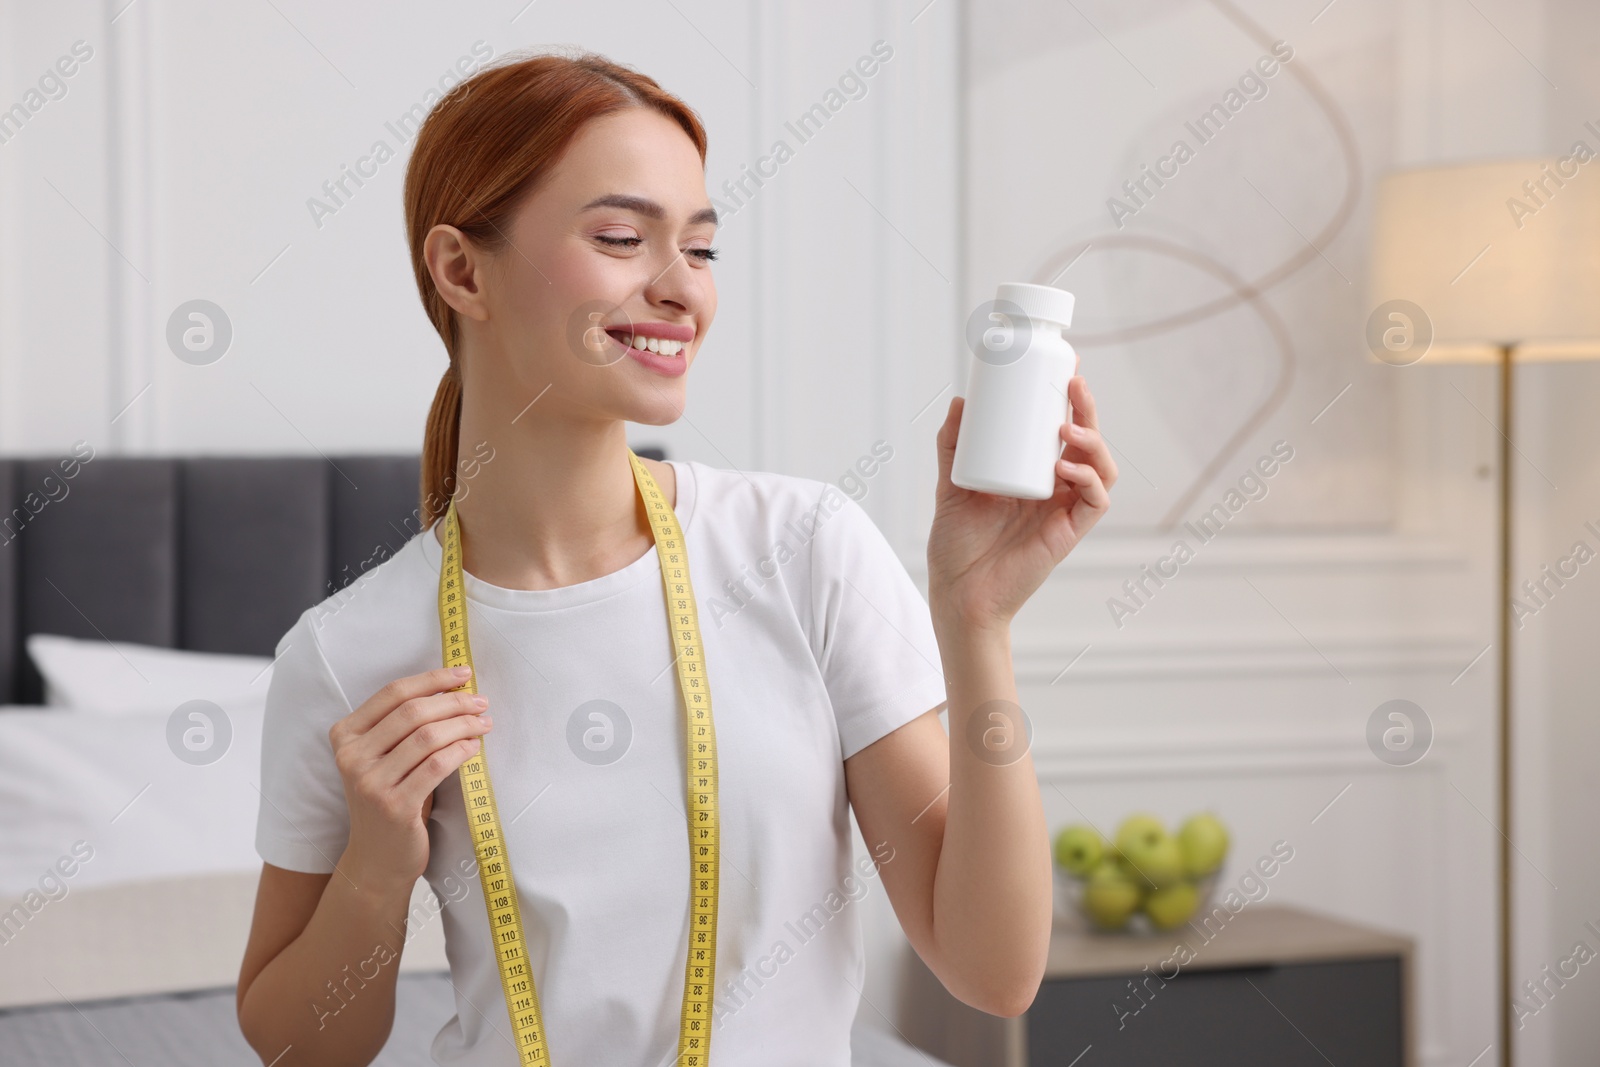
705,255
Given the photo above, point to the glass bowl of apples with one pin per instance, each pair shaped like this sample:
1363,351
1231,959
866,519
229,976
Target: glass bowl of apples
1143,881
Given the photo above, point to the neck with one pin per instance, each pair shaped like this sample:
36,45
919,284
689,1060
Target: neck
555,506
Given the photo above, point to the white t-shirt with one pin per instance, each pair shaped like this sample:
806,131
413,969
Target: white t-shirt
816,644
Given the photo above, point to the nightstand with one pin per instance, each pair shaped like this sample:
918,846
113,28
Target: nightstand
1270,985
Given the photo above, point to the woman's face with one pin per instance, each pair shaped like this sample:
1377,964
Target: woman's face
614,243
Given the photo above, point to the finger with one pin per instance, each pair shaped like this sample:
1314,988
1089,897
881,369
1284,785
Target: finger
417,786
1087,481
404,721
1090,446
398,692
1083,409
424,742
946,439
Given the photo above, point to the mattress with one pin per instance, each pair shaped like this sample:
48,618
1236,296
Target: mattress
199,1030
134,956
161,855
111,782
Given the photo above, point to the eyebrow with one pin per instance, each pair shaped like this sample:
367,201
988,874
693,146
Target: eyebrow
647,207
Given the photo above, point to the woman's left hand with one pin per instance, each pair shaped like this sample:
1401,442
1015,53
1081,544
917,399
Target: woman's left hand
987,554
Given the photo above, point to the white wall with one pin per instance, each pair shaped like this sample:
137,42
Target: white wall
233,118
1556,674
180,161
1367,573
1245,684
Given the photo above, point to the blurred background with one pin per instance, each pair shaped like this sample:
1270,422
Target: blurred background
1225,313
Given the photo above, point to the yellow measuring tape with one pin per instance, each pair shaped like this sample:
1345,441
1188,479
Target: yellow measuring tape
483,817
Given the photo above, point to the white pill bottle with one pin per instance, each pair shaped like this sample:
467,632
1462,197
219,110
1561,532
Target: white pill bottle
1010,436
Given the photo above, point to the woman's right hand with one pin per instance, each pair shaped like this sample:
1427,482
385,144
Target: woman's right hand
392,752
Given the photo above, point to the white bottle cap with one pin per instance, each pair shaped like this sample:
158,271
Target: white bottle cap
1042,302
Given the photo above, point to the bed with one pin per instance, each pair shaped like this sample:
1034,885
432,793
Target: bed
127,865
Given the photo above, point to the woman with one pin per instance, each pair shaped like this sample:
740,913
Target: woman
561,238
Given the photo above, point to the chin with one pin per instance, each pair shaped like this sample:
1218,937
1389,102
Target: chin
664,405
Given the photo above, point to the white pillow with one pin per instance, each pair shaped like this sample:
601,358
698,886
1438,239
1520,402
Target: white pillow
119,677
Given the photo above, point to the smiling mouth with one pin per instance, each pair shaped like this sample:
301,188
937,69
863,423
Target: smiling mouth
656,345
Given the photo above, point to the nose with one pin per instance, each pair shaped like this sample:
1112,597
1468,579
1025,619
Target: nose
673,287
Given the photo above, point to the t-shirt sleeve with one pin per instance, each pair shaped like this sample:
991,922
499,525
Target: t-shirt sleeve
871,631
303,821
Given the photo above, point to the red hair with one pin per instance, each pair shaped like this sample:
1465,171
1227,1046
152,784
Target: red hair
483,148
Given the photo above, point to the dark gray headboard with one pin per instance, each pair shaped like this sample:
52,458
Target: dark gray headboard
215,554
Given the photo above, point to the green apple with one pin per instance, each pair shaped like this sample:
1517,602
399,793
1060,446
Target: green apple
1151,854
1171,906
1110,896
1079,848
1204,841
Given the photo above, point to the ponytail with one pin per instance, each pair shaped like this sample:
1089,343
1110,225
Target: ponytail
440,443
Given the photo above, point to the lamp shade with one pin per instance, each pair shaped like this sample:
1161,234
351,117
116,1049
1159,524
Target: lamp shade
1494,253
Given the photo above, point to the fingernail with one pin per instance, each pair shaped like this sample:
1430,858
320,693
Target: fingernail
461,672
479,702
485,719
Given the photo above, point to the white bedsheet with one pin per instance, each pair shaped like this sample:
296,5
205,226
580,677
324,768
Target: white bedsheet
112,781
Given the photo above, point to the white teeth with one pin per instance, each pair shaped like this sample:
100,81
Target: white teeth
655,344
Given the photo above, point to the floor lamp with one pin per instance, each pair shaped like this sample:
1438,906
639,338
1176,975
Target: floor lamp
1492,262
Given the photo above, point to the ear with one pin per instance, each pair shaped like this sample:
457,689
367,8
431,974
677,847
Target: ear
459,269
